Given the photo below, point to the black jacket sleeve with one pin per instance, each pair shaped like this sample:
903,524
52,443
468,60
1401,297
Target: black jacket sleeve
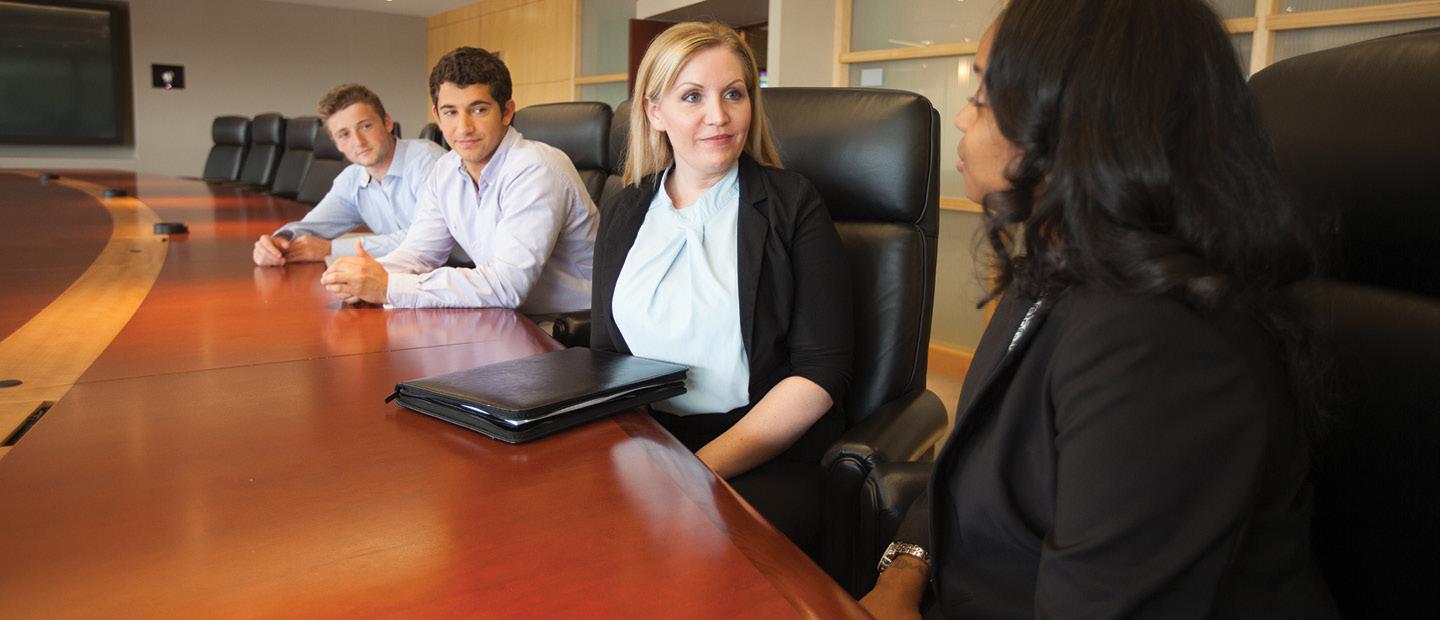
821,335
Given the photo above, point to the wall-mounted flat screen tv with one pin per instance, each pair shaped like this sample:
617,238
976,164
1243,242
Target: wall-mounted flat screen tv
64,72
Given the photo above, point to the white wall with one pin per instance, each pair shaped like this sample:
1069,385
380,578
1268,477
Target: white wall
801,42
246,57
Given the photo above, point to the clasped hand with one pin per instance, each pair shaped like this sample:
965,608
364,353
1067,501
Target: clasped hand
276,251
356,279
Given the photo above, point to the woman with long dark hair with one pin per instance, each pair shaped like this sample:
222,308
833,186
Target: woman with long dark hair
1131,439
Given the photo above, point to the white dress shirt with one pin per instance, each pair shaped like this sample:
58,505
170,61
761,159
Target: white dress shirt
386,207
528,224
677,297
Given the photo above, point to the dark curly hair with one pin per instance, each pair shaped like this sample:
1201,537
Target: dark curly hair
1144,168
467,66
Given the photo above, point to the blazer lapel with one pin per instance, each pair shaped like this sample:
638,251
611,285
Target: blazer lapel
1017,325
627,221
750,245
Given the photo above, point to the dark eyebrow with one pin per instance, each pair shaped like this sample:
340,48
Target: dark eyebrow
978,68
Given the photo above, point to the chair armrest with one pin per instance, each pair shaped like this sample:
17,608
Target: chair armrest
572,329
889,491
904,429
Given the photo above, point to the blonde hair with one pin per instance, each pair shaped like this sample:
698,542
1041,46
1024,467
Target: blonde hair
649,149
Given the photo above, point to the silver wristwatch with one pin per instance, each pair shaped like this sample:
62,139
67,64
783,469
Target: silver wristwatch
898,548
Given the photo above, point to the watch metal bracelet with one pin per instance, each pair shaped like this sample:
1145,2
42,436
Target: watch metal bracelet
902,548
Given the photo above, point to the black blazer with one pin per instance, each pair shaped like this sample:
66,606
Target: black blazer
795,310
1126,458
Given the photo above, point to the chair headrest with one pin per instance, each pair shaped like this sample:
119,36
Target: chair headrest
872,154
300,133
619,137
1365,152
580,128
267,128
325,147
431,132
230,130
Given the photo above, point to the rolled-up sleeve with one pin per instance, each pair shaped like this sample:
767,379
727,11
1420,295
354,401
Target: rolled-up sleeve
534,210
426,245
336,214
821,336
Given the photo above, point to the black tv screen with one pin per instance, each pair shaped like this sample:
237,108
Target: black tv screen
64,72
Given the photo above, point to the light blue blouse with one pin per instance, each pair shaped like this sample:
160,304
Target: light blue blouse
677,297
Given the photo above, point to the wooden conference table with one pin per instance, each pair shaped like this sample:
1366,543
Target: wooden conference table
226,451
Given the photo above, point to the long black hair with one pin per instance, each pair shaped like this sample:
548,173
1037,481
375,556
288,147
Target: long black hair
1144,168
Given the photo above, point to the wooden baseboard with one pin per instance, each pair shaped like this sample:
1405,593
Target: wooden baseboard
950,361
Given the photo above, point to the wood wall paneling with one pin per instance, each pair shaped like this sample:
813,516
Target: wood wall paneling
536,38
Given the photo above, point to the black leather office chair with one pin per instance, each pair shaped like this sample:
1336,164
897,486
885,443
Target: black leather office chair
1357,132
573,329
267,135
619,145
431,132
874,157
326,165
300,135
231,135
581,129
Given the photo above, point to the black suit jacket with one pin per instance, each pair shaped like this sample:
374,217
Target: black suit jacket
795,312
1124,458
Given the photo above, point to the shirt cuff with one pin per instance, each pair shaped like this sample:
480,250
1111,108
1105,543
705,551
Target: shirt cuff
403,290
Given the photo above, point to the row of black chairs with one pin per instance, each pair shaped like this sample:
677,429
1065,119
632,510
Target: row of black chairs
290,158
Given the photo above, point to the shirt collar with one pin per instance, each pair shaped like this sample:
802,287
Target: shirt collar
396,160
497,160
723,192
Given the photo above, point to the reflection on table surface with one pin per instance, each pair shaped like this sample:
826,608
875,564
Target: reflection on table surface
230,454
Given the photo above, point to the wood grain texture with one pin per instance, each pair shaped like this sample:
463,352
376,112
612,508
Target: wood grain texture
51,350
963,205
841,73
1399,11
51,235
231,454
908,53
608,78
535,38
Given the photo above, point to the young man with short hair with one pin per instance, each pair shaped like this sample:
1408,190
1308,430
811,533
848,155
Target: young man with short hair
517,208
379,189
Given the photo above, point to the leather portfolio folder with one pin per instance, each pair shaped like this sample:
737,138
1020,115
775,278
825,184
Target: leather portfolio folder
531,397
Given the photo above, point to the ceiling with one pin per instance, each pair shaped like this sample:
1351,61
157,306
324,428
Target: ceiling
420,8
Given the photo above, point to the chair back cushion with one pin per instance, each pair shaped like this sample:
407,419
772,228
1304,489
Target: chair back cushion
579,128
619,145
231,135
1366,154
300,135
326,165
267,135
872,155
431,132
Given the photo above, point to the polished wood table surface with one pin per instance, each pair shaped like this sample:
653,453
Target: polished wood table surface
230,454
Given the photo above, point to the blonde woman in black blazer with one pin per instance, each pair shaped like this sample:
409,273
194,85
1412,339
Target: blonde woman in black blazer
698,127
1131,439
